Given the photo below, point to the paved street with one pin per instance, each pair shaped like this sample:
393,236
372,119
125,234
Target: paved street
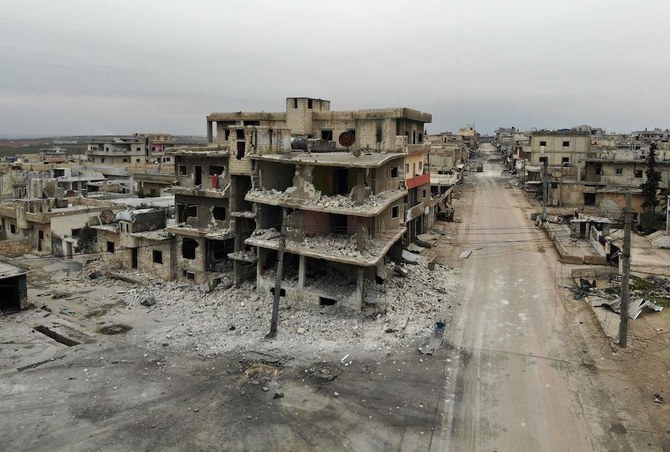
520,380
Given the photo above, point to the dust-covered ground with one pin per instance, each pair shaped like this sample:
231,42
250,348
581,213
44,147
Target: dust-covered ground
193,370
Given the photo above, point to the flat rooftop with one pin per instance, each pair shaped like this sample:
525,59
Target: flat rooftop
343,159
9,270
159,201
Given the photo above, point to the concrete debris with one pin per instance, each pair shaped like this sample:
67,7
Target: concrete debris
411,257
413,248
635,306
148,301
658,398
231,319
465,254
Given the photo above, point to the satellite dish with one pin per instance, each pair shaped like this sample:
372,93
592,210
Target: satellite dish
347,139
556,174
356,152
107,216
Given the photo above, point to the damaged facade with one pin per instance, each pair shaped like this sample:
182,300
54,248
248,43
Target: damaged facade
49,225
137,240
343,210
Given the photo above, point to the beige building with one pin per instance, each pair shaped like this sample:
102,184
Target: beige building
381,129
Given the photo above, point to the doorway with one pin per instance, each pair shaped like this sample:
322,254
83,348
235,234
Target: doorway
133,257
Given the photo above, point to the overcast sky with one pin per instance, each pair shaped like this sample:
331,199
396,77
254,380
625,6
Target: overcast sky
116,67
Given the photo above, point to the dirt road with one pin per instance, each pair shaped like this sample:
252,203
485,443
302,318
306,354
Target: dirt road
523,379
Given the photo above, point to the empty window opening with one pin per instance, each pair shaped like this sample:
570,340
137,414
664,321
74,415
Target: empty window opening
184,212
589,199
543,143
565,160
198,175
406,168
226,134
217,170
327,135
41,234
183,170
309,103
295,102
394,171
241,147
619,170
157,257
378,134
239,133
219,213
133,258
190,275
75,233
395,211
638,173
110,247
566,144
188,248
544,160
323,301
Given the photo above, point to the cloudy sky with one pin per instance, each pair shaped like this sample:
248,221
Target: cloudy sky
115,67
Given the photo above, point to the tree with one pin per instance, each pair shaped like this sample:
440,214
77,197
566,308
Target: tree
87,240
649,220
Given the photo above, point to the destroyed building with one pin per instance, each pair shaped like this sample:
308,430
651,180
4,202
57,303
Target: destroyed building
48,225
344,210
342,215
376,129
203,230
137,240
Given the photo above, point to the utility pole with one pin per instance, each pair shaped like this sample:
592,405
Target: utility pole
278,277
625,276
545,191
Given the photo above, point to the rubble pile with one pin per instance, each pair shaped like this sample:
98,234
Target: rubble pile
325,201
396,314
346,202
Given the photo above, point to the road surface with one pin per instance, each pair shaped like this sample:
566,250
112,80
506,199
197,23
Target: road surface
518,380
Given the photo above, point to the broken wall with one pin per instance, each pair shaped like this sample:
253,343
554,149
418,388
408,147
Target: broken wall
15,248
211,212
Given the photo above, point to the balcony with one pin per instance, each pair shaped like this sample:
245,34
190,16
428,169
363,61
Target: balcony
338,248
417,181
202,192
372,205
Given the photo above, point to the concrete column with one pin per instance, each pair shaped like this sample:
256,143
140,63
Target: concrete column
360,187
210,134
302,269
360,284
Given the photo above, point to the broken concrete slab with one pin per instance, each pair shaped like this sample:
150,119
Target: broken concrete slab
465,254
414,248
411,257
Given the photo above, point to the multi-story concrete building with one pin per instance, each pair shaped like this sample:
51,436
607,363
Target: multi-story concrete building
344,210
51,225
118,151
376,129
137,240
342,214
